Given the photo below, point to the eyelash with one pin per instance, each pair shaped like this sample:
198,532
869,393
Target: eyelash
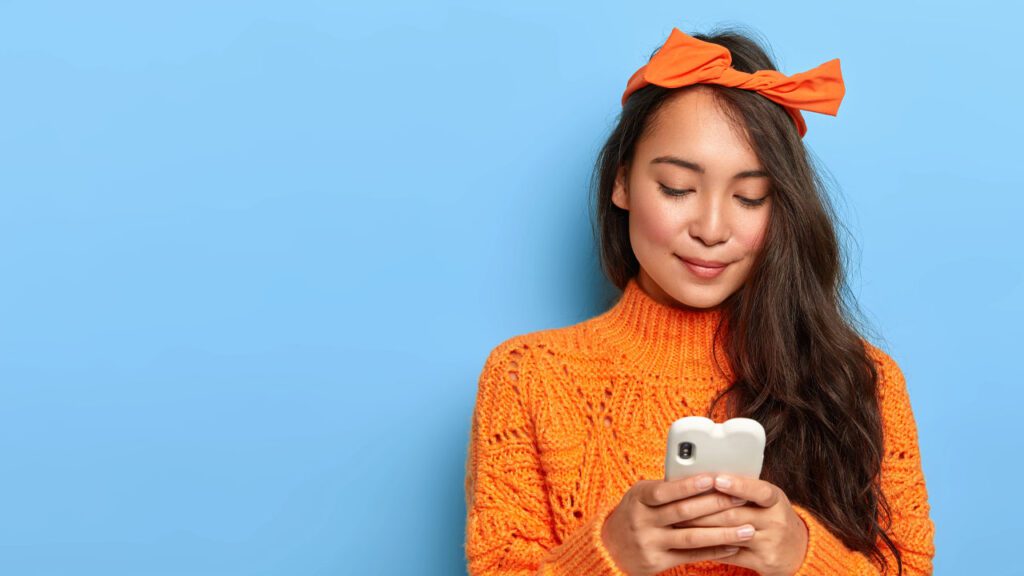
746,202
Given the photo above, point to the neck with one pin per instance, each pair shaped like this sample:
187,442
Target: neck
657,338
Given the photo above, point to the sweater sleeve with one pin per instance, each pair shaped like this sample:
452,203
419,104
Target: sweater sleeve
509,525
902,481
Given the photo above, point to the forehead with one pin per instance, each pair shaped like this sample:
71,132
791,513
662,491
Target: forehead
693,124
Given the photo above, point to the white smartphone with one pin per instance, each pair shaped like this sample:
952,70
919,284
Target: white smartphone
697,444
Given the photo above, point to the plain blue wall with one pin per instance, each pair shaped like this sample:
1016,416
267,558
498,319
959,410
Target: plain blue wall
254,256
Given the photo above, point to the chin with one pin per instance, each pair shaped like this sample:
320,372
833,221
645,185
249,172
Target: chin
700,297
706,303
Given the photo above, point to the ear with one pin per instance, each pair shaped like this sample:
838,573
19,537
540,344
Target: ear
620,190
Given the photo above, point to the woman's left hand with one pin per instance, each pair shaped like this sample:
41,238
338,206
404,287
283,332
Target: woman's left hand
779,543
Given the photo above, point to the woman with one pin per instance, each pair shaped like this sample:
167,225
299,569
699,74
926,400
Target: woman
716,227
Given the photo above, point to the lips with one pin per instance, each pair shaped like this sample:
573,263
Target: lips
706,269
705,263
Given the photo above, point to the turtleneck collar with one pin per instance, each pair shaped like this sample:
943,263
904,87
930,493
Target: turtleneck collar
664,339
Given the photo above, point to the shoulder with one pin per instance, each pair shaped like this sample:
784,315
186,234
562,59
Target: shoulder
546,355
575,341
897,412
882,359
892,384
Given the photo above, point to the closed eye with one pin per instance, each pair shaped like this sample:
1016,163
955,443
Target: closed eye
747,202
673,191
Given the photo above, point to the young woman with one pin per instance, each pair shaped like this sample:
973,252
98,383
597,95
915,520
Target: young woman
716,227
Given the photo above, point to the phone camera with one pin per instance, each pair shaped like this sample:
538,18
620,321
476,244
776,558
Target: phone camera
686,450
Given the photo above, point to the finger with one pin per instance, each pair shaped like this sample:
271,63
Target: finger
755,490
678,557
686,538
693,507
658,493
735,516
745,557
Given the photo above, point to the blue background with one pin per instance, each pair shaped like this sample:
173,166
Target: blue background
255,254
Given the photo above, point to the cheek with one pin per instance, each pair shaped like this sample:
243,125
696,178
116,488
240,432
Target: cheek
753,234
654,224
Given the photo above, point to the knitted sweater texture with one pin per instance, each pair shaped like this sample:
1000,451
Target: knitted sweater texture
567,419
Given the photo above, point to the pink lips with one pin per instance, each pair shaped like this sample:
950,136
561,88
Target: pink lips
704,268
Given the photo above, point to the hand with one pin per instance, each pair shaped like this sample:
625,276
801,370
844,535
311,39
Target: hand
779,544
639,532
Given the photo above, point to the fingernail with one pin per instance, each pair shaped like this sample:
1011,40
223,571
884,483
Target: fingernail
731,549
723,482
736,500
745,532
704,482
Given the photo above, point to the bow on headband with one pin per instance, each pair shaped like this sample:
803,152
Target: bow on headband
683,60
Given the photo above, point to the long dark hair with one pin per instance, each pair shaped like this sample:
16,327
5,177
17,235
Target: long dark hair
800,366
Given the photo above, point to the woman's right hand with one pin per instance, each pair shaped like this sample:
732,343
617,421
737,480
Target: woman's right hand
639,532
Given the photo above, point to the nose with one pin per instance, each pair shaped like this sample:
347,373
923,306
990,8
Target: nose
710,225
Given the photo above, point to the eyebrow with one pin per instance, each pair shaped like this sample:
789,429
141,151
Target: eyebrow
683,163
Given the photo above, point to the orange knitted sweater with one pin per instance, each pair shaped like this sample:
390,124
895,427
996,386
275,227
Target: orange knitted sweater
567,419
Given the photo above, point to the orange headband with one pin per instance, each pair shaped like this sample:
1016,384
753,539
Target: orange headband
683,60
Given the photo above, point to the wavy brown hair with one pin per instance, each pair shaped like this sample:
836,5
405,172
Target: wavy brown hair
800,366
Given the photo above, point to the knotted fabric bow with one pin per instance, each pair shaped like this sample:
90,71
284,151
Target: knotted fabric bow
683,60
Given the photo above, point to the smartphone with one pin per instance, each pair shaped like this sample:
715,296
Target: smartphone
697,444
